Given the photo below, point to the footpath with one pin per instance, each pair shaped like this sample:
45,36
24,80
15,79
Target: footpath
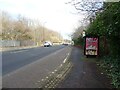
84,73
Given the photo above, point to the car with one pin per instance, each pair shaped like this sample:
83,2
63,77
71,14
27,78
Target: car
66,44
47,44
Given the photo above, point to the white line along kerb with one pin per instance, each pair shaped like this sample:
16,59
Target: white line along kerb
52,72
68,54
61,65
66,58
55,70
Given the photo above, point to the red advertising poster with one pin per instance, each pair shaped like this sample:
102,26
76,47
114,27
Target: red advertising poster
91,46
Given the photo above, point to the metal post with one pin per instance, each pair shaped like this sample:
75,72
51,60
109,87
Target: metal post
43,32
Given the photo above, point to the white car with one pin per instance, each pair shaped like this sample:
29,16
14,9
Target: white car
47,44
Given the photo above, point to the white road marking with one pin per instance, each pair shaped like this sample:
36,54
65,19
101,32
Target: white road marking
55,70
68,54
66,58
18,51
52,72
42,80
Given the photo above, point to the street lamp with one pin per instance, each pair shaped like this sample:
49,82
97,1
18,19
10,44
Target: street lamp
44,31
8,35
83,33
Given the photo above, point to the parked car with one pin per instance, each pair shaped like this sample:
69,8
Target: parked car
47,44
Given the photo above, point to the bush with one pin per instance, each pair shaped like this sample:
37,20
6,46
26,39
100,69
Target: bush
106,26
111,65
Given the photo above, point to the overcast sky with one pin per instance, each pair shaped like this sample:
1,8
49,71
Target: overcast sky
53,14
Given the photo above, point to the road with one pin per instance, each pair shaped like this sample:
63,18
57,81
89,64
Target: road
24,68
13,60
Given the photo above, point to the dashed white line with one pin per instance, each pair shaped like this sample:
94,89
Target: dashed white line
42,80
18,51
66,58
55,70
52,72
68,54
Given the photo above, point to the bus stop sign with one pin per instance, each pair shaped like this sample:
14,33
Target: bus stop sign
91,46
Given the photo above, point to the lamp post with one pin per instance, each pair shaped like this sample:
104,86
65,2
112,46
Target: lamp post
34,33
44,31
34,37
83,34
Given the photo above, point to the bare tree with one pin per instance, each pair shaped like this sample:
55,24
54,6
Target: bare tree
87,7
6,25
78,32
14,29
0,24
26,29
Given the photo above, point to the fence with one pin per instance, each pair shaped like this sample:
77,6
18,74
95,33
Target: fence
9,43
27,43
14,43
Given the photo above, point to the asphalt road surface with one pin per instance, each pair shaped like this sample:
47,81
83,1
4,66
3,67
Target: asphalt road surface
24,68
13,60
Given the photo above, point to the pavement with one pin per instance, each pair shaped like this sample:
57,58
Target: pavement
84,73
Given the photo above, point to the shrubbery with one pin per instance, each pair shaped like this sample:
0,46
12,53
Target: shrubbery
107,27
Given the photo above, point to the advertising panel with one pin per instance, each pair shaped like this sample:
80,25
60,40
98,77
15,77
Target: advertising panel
91,46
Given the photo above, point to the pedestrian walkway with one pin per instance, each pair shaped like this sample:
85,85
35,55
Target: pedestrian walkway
84,74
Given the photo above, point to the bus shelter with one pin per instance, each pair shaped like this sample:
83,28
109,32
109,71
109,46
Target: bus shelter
91,46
